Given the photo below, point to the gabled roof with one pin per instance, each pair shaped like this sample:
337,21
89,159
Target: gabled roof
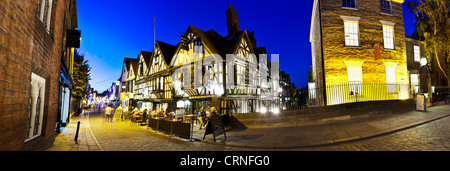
167,51
146,55
134,62
126,63
209,38
218,44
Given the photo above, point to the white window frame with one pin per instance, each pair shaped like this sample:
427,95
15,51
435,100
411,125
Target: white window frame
391,76
35,116
416,53
43,15
354,73
388,37
351,30
351,33
388,34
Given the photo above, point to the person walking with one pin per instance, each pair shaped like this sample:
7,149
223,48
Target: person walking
125,113
108,113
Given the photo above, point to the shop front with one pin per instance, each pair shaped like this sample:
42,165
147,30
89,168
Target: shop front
64,99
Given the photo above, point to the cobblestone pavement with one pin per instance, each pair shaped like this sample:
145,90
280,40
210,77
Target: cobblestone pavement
122,136
433,136
97,135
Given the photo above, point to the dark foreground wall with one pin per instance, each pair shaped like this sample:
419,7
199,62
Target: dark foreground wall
321,114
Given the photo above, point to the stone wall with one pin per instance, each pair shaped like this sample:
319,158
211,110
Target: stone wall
370,34
322,114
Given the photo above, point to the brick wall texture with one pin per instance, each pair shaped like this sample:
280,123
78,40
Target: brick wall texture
26,47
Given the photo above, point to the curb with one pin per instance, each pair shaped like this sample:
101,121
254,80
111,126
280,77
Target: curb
100,147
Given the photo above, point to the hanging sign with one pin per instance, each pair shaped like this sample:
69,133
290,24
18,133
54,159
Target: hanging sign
377,51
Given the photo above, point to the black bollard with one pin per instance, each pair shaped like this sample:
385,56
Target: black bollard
76,134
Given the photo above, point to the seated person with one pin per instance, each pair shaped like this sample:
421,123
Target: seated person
136,113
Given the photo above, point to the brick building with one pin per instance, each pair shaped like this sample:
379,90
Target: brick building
415,52
31,36
358,51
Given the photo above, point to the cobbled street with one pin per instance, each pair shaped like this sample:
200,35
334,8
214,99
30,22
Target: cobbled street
122,136
433,136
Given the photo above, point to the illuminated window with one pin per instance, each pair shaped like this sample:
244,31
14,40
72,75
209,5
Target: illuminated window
385,6
349,3
351,33
161,87
354,80
416,54
390,79
414,79
388,35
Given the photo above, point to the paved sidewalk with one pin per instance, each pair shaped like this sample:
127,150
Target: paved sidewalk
280,137
327,133
86,141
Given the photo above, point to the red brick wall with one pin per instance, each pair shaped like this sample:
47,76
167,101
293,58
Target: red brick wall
26,47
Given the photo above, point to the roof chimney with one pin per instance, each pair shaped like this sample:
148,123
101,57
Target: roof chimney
232,20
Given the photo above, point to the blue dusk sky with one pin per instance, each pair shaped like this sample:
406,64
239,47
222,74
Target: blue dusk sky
113,29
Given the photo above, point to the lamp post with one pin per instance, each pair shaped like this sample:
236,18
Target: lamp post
425,80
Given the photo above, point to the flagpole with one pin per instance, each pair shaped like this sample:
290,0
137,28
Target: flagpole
154,29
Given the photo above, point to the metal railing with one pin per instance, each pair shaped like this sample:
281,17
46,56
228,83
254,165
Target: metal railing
358,92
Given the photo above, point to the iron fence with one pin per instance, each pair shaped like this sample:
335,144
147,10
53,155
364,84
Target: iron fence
352,92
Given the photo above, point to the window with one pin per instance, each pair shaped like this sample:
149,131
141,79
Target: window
414,79
44,12
354,80
351,33
36,112
161,86
388,35
349,3
416,53
390,79
386,6
157,55
415,82
141,69
354,72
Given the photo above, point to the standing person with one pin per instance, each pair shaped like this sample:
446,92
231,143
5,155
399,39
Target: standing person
118,113
125,113
144,115
108,113
202,117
